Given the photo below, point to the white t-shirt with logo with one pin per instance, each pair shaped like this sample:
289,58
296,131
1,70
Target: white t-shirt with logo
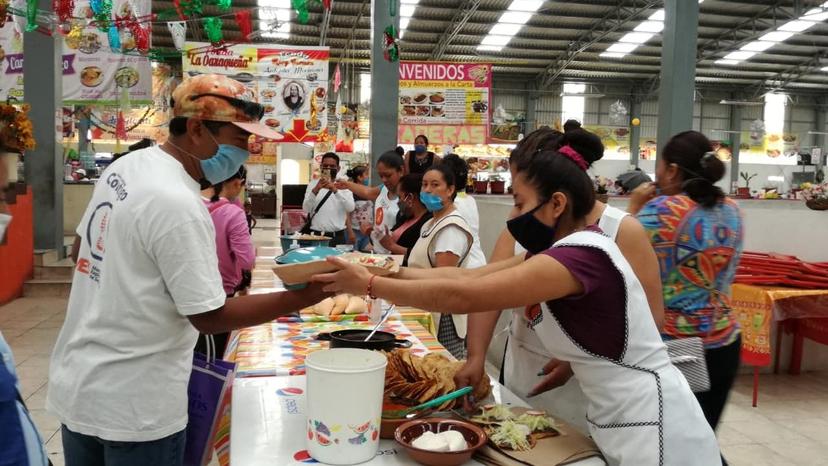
147,260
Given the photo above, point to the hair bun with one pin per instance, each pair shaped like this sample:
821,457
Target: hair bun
713,169
587,144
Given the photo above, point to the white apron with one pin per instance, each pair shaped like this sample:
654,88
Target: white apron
385,216
640,408
525,355
420,259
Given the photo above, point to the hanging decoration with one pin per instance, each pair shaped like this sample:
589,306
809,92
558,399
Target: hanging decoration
31,15
120,126
192,7
212,27
391,49
75,34
63,9
178,31
103,15
301,8
114,37
4,12
224,5
337,81
96,6
245,24
141,36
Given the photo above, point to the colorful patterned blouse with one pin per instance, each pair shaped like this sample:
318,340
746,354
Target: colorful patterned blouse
698,250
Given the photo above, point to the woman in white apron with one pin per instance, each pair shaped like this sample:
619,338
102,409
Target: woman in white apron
390,170
594,315
525,358
445,241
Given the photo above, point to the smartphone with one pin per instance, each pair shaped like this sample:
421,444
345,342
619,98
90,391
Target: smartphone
325,174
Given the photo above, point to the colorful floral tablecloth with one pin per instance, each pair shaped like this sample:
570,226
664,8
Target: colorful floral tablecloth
757,306
280,348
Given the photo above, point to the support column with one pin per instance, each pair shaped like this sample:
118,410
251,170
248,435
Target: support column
678,69
43,90
385,84
531,110
819,139
735,141
635,131
83,130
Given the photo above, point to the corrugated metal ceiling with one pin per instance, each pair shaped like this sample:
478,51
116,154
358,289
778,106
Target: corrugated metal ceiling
724,25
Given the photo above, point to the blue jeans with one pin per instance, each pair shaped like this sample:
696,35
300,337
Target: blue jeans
85,450
361,241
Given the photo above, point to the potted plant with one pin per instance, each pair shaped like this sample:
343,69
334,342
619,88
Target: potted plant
601,188
816,195
481,186
498,184
16,136
744,192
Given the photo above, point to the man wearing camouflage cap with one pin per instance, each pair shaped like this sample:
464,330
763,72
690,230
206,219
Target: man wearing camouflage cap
147,281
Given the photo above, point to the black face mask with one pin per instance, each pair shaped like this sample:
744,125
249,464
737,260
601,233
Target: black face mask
534,235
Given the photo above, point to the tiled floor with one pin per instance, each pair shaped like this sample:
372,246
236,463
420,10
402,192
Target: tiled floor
790,426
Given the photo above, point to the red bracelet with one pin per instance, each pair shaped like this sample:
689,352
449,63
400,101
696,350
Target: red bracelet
371,287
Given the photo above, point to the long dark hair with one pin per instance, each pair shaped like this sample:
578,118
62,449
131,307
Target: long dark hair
460,169
240,175
448,176
693,154
392,159
355,172
587,144
548,172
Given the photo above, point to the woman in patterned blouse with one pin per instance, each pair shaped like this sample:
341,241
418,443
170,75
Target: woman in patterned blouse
697,235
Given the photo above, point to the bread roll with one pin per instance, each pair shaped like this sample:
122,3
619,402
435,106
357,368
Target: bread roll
340,303
324,307
356,305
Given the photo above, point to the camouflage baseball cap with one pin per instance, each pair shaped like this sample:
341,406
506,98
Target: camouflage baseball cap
218,98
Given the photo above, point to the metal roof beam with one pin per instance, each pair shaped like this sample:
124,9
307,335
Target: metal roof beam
755,26
608,24
460,18
784,78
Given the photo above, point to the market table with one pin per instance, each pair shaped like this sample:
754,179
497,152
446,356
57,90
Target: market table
801,312
280,348
268,425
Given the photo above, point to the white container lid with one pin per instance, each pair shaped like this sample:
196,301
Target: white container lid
346,360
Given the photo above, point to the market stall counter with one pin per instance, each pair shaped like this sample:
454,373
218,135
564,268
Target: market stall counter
269,426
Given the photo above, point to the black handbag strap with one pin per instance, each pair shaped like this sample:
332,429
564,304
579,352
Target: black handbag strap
319,206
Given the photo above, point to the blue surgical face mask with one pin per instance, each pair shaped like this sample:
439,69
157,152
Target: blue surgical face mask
432,202
225,163
420,148
366,182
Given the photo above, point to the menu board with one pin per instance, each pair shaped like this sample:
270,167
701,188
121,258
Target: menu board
616,140
291,82
92,73
448,102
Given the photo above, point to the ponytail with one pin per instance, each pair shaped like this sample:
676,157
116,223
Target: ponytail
693,153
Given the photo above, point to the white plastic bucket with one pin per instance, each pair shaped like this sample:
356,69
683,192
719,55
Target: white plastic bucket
344,404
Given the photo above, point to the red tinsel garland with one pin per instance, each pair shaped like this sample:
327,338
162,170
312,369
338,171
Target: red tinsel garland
63,9
245,24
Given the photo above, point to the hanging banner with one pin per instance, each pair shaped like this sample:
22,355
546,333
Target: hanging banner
96,74
291,82
92,73
449,102
769,148
616,140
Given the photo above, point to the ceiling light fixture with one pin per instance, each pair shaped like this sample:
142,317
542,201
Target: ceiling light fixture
726,62
495,40
515,17
739,55
744,103
505,29
622,48
525,5
657,16
612,54
489,48
650,26
796,25
757,46
776,36
636,37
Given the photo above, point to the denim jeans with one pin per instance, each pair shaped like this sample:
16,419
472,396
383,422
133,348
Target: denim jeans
85,450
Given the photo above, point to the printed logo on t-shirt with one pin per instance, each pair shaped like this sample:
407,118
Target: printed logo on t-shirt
96,240
379,216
